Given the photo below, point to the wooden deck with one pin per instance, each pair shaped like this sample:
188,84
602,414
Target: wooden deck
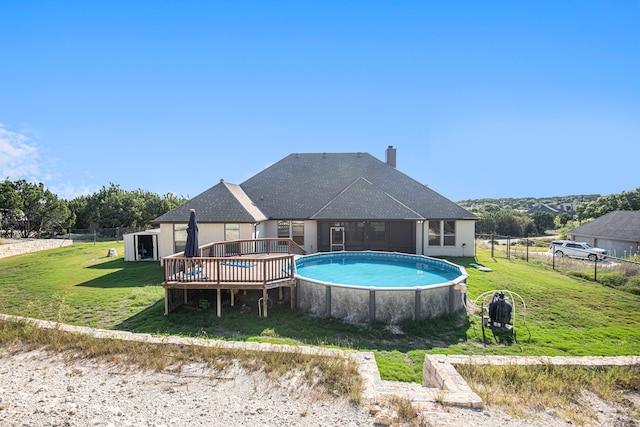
260,264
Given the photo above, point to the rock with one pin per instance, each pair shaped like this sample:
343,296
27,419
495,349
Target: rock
375,409
112,252
383,419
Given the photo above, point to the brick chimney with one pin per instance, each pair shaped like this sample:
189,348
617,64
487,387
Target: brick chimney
390,156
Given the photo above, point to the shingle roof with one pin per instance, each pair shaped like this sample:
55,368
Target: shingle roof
616,225
362,199
224,202
337,186
307,185
543,208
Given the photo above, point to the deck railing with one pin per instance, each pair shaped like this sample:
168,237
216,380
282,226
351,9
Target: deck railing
228,263
252,246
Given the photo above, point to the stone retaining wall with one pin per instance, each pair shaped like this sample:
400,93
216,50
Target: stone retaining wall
440,382
25,246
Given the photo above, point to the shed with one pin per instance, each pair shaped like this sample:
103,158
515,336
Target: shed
142,246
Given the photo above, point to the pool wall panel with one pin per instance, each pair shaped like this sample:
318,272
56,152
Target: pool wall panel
394,306
312,298
350,304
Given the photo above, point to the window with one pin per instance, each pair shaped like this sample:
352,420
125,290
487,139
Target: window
297,232
232,232
179,237
442,233
283,229
449,233
434,233
291,230
377,231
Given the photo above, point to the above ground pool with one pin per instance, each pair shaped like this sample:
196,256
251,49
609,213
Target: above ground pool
378,286
380,270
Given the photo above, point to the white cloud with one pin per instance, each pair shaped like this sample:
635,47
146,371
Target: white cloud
69,191
19,158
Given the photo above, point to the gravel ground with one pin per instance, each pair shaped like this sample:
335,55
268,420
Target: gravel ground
41,390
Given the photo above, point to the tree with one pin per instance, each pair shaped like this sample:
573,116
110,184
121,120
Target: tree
562,219
629,201
40,210
503,222
9,207
543,221
112,207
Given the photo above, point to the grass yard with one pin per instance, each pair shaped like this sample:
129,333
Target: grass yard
79,285
565,315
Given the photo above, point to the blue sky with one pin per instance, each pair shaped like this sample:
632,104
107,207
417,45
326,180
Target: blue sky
480,98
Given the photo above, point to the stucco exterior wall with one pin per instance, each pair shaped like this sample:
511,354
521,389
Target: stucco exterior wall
270,230
214,232
465,234
311,236
207,233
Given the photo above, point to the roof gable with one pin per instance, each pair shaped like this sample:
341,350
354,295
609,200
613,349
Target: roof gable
618,225
224,202
362,199
300,185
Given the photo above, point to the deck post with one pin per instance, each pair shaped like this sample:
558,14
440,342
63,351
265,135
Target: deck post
185,296
166,301
292,296
264,301
219,303
233,302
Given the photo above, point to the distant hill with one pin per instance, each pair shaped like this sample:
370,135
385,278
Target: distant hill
524,203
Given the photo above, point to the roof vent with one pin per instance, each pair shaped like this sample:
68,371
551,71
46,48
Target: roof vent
359,154
324,155
390,156
297,155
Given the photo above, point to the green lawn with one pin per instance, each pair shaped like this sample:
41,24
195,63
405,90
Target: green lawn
565,315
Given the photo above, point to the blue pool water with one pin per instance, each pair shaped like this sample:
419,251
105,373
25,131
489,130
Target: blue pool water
378,269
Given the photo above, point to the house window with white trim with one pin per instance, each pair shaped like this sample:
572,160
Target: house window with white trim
434,233
293,230
297,232
179,237
449,237
231,232
442,233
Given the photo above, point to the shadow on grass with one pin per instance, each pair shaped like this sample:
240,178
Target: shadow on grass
126,274
286,326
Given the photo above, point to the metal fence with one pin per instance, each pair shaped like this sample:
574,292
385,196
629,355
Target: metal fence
621,272
98,234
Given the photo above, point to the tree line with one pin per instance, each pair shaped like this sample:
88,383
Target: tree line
29,209
499,216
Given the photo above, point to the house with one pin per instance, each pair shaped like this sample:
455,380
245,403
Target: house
543,208
618,232
327,202
568,208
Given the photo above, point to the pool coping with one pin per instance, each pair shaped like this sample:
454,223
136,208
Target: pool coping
461,278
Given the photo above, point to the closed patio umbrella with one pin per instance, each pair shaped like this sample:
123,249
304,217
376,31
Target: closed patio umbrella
192,249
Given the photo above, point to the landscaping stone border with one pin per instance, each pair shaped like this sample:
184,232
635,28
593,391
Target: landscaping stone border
441,382
25,246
